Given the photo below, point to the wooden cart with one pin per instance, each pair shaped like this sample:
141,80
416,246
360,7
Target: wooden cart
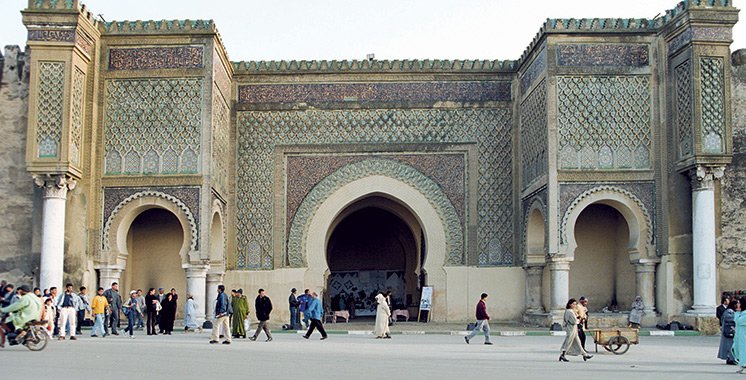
616,340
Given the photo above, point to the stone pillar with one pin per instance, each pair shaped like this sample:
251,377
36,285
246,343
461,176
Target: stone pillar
703,239
213,280
196,276
108,275
533,288
560,274
646,285
55,189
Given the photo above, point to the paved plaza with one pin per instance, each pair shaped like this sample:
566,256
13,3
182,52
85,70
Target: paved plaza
343,356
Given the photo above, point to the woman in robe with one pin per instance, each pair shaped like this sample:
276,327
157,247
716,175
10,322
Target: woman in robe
739,340
636,312
190,314
383,313
727,328
240,311
571,345
168,314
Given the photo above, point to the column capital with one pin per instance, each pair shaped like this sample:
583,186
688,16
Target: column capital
55,185
704,177
559,266
196,270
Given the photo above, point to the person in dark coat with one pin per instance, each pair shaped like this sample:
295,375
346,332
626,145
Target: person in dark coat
168,314
150,307
263,306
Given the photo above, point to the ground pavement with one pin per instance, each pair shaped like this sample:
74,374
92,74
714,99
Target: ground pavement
358,356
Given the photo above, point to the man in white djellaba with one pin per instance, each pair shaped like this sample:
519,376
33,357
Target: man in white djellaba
383,314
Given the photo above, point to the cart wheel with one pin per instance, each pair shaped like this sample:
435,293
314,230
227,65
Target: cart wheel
619,344
607,348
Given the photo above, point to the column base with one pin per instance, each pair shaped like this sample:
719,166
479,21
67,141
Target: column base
702,310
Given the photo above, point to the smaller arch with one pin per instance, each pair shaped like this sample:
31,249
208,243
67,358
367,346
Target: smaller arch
217,234
535,233
627,204
117,225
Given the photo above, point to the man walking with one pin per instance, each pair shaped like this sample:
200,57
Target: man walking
222,317
483,321
160,296
582,313
294,304
315,312
84,305
98,308
115,304
55,314
68,304
263,306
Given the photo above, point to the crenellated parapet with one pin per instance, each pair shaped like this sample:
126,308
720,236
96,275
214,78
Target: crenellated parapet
334,66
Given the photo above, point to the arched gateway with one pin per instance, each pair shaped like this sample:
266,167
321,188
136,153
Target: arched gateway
404,194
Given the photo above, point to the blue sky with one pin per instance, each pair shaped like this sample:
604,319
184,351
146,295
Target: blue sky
346,29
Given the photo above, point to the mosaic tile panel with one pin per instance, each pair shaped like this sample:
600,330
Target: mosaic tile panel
51,35
113,196
604,122
644,192
447,170
152,58
621,55
534,134
713,104
49,109
152,115
260,131
679,41
537,68
220,137
684,126
481,91
187,198
76,122
454,236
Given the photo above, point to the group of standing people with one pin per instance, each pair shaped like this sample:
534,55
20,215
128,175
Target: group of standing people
732,316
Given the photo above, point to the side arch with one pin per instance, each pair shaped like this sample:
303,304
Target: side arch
535,233
641,245
402,174
114,237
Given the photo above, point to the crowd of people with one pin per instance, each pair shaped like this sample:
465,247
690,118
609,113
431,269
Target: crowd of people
64,314
732,319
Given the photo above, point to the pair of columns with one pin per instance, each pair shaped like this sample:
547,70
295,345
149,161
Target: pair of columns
560,285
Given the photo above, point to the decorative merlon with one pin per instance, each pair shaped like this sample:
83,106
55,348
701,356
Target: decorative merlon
397,65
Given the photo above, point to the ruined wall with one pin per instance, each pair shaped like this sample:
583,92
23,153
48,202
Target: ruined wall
732,241
16,187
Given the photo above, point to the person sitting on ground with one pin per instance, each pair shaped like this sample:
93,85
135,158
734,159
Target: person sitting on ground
26,309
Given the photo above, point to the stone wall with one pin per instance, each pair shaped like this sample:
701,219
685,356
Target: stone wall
732,241
17,190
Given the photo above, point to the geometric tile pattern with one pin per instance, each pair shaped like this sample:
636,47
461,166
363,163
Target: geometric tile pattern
713,104
76,121
152,126
534,134
49,109
604,122
220,136
384,167
260,131
684,125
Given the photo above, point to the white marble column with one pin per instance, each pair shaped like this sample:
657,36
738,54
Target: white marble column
109,275
196,276
533,288
560,277
703,239
645,272
213,280
54,199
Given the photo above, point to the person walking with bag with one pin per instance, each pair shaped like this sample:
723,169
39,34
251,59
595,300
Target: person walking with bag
131,309
263,307
727,332
483,321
